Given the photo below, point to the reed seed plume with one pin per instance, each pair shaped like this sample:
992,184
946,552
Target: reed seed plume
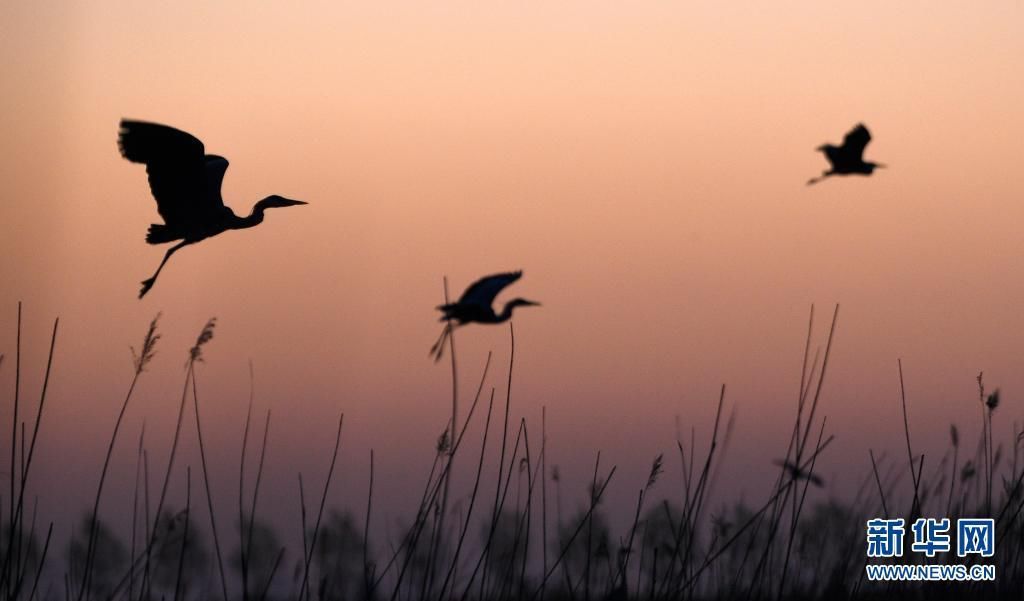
443,443
144,356
656,469
981,385
992,401
196,352
954,435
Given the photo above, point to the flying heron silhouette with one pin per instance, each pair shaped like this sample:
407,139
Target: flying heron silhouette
476,306
186,185
848,159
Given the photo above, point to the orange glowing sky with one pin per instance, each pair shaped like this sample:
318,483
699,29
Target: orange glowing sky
643,163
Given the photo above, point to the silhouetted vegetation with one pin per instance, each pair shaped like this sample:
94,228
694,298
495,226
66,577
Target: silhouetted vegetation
525,538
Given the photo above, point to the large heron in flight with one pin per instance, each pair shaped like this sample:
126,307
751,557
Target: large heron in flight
186,185
476,306
849,158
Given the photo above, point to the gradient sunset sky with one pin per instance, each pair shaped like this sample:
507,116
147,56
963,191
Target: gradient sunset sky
643,163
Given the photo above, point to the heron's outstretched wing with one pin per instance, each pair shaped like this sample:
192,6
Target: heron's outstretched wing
215,167
855,141
483,291
184,181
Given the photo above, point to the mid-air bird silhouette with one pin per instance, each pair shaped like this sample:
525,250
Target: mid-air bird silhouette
476,306
849,158
186,185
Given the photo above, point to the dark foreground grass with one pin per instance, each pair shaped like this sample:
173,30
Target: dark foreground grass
512,541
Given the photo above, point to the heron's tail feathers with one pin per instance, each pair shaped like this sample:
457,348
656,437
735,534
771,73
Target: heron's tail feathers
447,310
159,234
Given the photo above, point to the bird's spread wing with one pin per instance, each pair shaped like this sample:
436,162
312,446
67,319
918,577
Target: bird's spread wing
855,141
185,181
483,291
215,167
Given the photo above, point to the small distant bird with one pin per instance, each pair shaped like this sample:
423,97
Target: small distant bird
798,474
849,158
186,185
475,306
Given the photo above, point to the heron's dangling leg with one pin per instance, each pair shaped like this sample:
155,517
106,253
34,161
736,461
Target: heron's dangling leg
147,284
815,180
437,350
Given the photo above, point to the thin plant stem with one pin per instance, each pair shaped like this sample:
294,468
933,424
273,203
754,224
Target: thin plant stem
367,575
242,550
472,503
320,512
184,535
209,493
140,366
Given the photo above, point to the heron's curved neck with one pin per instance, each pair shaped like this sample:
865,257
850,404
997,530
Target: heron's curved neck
253,219
506,313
